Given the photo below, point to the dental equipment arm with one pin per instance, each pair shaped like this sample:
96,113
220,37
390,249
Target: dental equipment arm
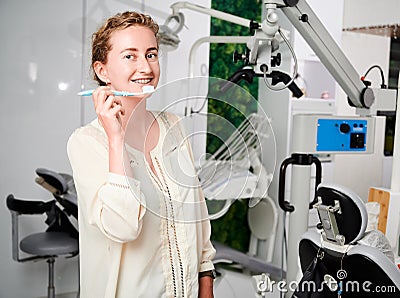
318,38
211,12
261,45
266,40
248,75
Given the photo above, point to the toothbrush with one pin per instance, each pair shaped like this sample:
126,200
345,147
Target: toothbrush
145,90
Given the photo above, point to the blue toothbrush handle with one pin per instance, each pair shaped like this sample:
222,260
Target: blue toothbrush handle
123,93
86,93
116,93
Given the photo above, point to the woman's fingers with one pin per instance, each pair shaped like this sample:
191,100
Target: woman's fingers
104,100
111,103
116,101
117,110
100,96
118,104
109,110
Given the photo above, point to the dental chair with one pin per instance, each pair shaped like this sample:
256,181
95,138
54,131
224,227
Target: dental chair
60,238
336,260
62,187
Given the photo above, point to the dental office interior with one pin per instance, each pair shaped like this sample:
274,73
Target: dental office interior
269,198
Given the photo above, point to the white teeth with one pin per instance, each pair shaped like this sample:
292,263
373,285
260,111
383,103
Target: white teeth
143,81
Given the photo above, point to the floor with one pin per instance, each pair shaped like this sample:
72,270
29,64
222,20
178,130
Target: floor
229,284
233,284
64,295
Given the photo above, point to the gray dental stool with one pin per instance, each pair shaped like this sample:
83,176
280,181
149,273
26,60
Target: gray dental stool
59,239
341,259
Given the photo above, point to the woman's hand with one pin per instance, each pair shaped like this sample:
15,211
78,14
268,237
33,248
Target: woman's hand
109,111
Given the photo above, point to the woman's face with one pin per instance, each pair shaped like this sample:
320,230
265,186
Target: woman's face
133,60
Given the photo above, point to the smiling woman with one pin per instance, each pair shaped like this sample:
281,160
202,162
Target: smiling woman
142,233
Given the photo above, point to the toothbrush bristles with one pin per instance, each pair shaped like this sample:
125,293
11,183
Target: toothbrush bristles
147,89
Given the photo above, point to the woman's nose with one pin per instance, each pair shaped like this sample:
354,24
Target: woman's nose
143,65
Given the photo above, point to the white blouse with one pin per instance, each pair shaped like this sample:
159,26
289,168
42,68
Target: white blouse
142,237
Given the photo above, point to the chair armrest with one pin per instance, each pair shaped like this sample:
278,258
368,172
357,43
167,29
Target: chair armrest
18,207
27,207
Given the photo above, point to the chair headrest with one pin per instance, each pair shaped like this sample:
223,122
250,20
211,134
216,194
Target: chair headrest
353,218
54,180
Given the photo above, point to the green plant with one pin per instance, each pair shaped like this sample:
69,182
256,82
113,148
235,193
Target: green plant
231,229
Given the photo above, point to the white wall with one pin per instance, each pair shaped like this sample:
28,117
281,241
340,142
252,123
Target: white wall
40,49
361,171
363,51
41,72
367,13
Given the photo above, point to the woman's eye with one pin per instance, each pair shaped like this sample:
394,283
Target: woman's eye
152,56
129,56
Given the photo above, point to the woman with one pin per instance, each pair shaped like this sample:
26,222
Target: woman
143,232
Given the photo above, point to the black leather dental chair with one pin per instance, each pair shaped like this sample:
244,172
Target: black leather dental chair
337,261
60,238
